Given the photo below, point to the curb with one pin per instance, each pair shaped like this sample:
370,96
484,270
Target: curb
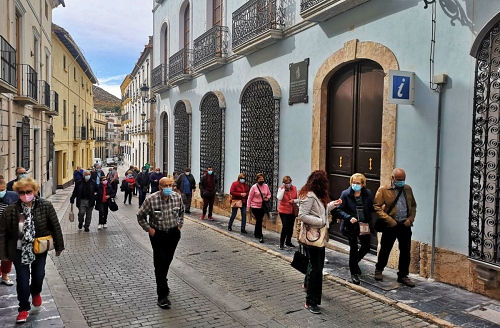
431,318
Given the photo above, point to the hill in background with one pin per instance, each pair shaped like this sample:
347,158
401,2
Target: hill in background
105,101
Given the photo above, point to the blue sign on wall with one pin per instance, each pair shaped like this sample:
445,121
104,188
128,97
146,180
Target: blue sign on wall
401,87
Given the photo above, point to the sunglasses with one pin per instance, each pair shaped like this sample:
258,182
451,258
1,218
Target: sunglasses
27,192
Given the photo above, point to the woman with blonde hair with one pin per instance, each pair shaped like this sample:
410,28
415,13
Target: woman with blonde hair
21,223
6,198
355,212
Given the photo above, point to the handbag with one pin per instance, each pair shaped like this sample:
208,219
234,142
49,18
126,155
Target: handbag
43,244
237,203
71,215
364,228
113,207
300,260
295,210
310,236
379,225
266,204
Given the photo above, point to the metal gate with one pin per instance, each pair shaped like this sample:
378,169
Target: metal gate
260,116
182,139
484,230
165,143
212,131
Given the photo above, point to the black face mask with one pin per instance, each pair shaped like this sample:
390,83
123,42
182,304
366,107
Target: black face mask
260,183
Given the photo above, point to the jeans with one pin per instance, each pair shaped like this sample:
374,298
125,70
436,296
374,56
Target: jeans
356,255
186,199
128,194
164,244
103,213
208,202
287,221
142,196
85,210
259,215
234,210
403,234
314,275
23,287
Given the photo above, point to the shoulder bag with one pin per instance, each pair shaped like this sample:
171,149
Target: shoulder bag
311,236
379,225
266,204
113,207
43,244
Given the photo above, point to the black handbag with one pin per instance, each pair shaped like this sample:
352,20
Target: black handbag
113,207
266,204
300,260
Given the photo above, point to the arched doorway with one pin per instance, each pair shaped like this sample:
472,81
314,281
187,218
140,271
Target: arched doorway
354,128
182,139
165,142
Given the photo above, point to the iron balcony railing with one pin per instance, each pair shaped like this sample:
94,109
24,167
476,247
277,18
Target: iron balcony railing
125,117
308,4
8,64
254,18
84,132
179,63
77,133
211,44
28,82
159,76
44,89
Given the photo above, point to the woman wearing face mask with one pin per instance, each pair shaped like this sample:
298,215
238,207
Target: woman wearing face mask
6,198
105,192
287,197
239,193
355,212
21,223
128,186
256,196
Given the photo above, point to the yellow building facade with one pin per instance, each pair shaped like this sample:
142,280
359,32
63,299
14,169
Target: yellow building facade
100,123
74,128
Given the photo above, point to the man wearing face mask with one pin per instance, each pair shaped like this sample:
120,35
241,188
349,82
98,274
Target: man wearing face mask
142,182
166,217
398,200
208,188
20,173
154,179
96,176
84,192
186,185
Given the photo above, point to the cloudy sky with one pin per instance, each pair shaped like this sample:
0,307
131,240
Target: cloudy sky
110,33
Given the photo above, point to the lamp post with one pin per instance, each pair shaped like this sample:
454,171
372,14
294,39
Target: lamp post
145,94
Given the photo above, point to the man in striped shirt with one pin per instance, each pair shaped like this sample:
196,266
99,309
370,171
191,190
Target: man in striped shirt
166,217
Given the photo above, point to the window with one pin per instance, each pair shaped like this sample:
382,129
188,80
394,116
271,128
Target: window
217,12
186,27
46,10
74,73
25,143
165,47
65,120
64,62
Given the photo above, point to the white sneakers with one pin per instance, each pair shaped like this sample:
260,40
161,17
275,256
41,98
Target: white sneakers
105,226
101,226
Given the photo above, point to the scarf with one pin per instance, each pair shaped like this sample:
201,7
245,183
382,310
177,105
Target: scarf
27,254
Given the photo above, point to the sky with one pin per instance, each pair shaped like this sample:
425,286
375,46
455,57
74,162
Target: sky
110,33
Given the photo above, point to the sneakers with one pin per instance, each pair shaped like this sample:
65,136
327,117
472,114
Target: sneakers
211,218
80,225
261,240
99,226
22,316
378,275
105,226
355,279
36,300
229,228
313,308
164,303
202,217
7,282
406,281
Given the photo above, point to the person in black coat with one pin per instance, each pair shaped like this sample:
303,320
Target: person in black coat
186,185
105,192
355,212
142,183
84,192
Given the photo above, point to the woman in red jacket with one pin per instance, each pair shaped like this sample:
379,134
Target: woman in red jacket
239,193
128,185
287,197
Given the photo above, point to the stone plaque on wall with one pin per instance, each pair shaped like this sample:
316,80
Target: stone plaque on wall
298,82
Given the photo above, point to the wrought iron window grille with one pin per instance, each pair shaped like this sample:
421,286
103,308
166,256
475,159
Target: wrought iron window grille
25,142
180,63
308,4
44,88
256,17
29,83
8,66
210,45
182,138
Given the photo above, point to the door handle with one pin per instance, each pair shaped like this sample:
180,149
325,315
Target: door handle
370,168
340,161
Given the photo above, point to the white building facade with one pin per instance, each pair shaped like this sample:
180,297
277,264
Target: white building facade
286,87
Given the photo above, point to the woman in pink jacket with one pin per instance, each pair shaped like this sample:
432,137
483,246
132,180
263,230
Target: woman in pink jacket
258,193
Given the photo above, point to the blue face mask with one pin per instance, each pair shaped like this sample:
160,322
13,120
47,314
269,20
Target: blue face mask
242,180
209,172
399,184
3,193
22,176
87,177
130,175
356,187
98,170
167,191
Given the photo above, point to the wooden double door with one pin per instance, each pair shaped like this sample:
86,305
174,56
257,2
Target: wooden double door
355,102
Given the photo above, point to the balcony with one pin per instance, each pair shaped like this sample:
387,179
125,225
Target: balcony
28,88
321,10
210,49
179,67
84,132
77,134
43,96
256,25
8,67
54,104
159,79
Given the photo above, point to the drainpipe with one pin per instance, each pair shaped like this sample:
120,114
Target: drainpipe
440,80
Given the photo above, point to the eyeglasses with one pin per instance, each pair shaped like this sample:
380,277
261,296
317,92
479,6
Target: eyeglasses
27,192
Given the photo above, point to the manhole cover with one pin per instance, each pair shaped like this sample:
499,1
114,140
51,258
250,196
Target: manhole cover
487,311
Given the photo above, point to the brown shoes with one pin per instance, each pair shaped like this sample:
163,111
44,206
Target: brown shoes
378,275
406,281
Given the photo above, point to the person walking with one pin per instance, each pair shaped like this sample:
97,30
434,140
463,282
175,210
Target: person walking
258,194
208,189
396,206
314,206
6,198
135,172
142,182
166,218
114,178
105,192
128,186
287,197
20,173
186,185
84,192
154,180
97,174
78,174
23,221
355,212
239,193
